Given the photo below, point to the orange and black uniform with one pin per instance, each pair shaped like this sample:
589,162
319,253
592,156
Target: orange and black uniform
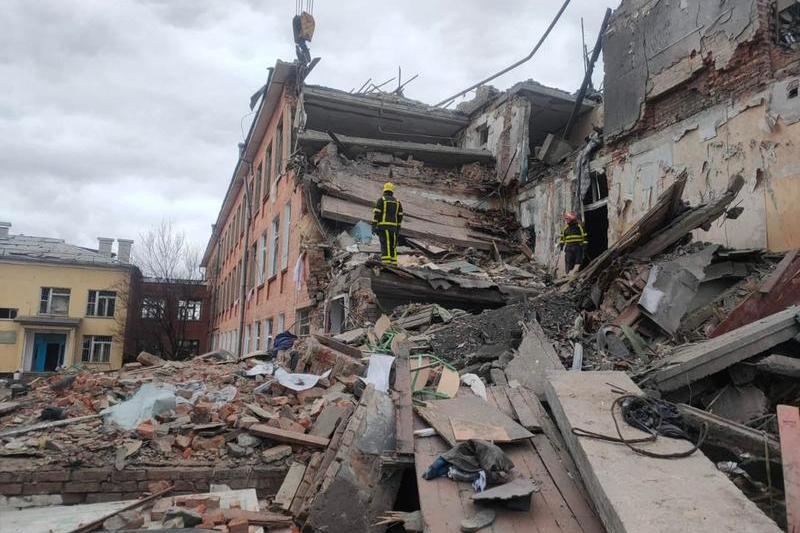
386,219
574,239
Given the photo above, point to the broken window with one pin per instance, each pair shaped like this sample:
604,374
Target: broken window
101,303
262,258
792,88
8,313
273,247
257,192
96,349
153,308
787,22
268,334
279,151
188,348
337,314
267,170
287,219
54,301
189,309
483,134
303,322
256,335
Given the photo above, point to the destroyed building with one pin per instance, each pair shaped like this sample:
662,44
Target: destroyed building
474,386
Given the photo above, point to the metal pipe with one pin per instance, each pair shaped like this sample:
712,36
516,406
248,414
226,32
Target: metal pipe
587,77
515,65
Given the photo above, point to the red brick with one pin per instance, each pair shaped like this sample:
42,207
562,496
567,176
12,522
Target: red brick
239,525
146,430
99,497
51,475
10,489
81,486
91,474
42,488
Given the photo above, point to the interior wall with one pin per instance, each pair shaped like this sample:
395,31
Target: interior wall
756,137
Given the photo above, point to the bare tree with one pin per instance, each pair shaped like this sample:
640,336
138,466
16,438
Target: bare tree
170,266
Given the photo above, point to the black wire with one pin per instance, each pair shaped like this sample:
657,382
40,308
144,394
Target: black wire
654,433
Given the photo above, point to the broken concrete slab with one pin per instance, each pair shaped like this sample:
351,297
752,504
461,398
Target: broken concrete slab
779,365
534,358
740,404
692,494
689,363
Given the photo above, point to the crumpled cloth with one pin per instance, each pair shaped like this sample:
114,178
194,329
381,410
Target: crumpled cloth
473,457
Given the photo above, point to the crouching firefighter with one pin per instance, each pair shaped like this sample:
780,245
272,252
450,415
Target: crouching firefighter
573,240
386,219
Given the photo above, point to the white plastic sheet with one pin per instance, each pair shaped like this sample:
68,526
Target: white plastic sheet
261,369
298,382
474,383
149,401
378,371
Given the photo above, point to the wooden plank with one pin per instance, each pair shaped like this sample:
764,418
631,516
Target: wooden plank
48,425
780,365
496,395
468,430
730,435
308,479
333,344
444,502
534,358
470,408
404,412
789,427
528,416
691,494
419,377
775,276
285,496
449,382
382,325
292,437
690,363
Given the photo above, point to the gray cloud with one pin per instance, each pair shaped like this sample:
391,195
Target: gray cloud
114,115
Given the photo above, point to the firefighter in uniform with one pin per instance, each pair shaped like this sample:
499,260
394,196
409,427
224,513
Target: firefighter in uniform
574,240
386,219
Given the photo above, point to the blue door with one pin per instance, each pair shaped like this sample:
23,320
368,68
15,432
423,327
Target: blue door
48,351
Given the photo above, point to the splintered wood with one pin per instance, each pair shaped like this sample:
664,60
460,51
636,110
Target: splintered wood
466,409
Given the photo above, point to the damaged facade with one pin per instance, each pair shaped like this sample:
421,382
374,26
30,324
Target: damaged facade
470,386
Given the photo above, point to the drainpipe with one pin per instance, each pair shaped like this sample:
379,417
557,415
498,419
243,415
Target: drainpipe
245,253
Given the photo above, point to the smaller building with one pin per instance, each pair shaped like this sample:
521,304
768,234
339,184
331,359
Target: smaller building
168,318
60,304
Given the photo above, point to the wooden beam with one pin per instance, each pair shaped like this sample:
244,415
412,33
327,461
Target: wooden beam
634,493
285,496
789,426
292,437
333,344
730,435
533,359
690,363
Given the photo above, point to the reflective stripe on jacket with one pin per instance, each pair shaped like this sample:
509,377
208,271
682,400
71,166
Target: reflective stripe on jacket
574,234
388,212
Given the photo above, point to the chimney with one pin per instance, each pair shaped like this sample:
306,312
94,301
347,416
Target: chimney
4,226
124,250
104,246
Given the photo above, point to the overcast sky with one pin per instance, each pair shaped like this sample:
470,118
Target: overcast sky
117,114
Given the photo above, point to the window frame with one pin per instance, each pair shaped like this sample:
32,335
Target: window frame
48,302
193,305
303,321
149,304
90,345
98,300
12,313
287,228
273,247
269,334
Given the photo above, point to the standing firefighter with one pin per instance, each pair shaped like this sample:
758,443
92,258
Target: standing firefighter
386,219
574,240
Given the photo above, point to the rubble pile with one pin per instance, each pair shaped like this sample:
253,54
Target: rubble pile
200,411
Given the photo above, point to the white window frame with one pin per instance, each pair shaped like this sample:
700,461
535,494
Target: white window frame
287,225
190,310
299,322
262,258
273,247
256,335
246,343
96,348
99,302
281,325
48,301
268,337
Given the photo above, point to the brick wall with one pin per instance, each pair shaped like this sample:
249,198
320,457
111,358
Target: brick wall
90,485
